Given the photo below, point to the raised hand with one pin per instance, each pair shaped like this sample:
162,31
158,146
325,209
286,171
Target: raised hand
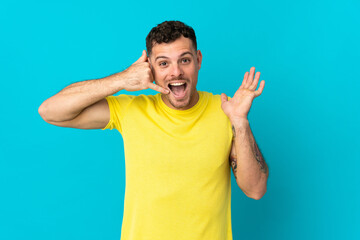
139,76
238,107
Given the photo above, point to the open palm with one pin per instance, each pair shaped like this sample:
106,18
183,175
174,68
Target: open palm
238,107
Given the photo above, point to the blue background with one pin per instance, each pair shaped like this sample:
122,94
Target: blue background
63,183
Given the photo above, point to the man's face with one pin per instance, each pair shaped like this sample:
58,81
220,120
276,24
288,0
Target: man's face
175,67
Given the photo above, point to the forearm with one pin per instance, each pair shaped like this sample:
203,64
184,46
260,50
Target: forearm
70,101
252,171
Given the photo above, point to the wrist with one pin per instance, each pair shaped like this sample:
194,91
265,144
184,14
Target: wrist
117,80
240,123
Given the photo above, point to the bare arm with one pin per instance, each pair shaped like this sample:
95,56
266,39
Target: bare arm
73,99
83,104
249,167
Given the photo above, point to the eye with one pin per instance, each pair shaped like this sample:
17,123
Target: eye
162,64
185,60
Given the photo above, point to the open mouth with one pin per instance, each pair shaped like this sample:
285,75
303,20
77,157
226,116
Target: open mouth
178,89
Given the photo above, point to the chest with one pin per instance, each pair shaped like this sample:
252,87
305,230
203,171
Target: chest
172,149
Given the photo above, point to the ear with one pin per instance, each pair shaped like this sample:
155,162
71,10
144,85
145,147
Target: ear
149,61
199,58
152,68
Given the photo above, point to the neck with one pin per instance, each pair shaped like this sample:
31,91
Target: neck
193,100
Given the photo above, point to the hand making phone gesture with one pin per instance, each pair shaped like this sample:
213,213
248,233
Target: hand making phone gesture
139,76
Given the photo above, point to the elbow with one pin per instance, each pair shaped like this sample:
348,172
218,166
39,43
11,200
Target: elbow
42,111
259,190
256,196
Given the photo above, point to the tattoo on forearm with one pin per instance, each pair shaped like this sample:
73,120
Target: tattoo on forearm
233,164
260,159
256,152
232,158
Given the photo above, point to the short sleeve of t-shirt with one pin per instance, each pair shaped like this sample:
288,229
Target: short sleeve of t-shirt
117,106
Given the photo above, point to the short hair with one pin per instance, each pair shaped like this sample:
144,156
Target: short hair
167,32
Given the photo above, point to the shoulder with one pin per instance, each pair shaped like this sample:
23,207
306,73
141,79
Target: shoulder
144,100
121,97
211,97
132,99
216,98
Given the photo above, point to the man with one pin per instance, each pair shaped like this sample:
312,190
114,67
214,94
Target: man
178,143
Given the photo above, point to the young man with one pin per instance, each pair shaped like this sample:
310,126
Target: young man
178,143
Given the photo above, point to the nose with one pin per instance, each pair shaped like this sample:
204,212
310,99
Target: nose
176,71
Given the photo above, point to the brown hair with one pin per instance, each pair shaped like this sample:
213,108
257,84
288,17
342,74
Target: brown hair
169,31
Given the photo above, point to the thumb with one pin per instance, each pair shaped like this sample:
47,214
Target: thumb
224,98
143,57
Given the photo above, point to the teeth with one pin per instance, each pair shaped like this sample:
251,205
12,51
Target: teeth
176,84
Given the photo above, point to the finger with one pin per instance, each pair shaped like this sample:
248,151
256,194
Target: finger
261,88
255,83
250,78
143,58
158,88
224,98
244,80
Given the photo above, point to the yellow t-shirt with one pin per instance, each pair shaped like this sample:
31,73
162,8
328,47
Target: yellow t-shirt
178,177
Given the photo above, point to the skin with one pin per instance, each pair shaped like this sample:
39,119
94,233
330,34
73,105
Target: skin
238,107
249,167
83,104
177,62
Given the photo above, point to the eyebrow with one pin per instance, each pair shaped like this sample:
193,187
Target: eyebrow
188,52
